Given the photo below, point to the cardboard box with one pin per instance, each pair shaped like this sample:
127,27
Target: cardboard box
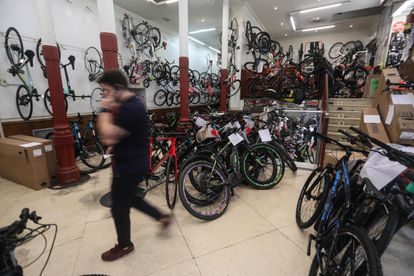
49,151
371,86
24,163
371,124
400,124
386,101
386,74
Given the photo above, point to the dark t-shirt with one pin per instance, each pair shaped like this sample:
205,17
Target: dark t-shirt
131,152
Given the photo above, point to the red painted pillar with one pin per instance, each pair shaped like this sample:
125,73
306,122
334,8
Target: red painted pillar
223,90
109,47
184,109
67,169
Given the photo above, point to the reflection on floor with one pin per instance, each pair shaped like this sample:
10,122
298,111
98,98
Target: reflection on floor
256,236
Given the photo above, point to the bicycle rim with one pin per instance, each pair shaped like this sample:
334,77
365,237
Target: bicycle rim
96,98
24,102
171,183
92,155
14,46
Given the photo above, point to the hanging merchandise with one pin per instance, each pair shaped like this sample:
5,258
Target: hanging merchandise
397,44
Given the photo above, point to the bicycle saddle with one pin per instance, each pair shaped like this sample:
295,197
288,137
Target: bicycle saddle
30,54
71,59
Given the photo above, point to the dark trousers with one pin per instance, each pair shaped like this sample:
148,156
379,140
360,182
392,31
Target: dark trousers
124,190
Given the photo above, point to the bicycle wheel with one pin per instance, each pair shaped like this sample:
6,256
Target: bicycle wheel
195,98
14,46
211,187
357,74
171,183
262,166
263,42
169,99
274,46
160,97
312,198
96,98
234,27
92,155
351,252
234,88
48,103
140,34
158,71
39,53
154,37
175,73
286,156
24,102
335,50
347,47
93,61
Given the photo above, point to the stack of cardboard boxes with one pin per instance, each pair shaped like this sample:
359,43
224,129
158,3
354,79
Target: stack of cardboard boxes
28,161
395,115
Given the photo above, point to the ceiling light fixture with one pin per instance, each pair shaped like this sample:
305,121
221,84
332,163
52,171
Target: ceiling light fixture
202,31
203,20
318,28
402,8
214,49
282,23
275,8
321,8
292,21
163,2
285,34
196,40
350,26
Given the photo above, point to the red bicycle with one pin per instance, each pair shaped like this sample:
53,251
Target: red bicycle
162,150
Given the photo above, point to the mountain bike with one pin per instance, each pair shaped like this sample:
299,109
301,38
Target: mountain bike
20,61
341,246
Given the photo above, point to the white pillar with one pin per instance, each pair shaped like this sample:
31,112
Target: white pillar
225,34
45,16
106,15
183,27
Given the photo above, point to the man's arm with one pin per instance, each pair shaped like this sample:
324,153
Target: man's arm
108,131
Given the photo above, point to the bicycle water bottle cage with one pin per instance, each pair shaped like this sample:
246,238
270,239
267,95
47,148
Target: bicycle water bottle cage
72,61
30,54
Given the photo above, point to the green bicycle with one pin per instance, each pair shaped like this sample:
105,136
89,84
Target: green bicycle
20,61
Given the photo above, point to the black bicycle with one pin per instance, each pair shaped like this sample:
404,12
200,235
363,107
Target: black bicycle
19,233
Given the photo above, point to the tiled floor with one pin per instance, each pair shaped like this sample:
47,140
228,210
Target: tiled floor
256,236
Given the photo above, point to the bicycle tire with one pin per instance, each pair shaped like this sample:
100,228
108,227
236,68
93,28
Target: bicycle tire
48,104
263,42
39,55
160,97
347,47
321,175
335,50
20,55
195,98
94,71
24,102
249,168
286,156
175,73
158,71
234,27
225,190
96,98
234,88
154,37
357,233
140,34
171,184
99,151
362,75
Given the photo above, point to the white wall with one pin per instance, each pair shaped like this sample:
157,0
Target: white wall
327,39
77,27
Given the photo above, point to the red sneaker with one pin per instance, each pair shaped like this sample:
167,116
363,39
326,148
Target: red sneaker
116,252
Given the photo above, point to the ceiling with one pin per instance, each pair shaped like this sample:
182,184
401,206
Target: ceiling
355,12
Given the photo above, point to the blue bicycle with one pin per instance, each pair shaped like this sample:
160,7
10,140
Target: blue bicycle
342,248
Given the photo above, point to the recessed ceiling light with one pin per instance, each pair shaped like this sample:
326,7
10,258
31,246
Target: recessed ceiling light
285,34
321,7
282,23
203,20
316,31
196,40
292,21
202,31
350,26
275,8
317,18
214,49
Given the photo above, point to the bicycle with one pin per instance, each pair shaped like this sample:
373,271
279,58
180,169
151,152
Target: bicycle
341,246
20,61
12,236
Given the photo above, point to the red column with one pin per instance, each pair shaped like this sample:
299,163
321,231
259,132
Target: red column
109,47
67,169
223,90
184,109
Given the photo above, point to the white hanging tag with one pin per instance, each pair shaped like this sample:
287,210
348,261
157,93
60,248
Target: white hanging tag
311,129
260,66
265,135
235,138
200,122
236,125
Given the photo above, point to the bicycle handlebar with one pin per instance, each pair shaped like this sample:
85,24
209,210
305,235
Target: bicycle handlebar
326,139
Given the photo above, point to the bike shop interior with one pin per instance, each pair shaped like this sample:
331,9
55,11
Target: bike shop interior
280,136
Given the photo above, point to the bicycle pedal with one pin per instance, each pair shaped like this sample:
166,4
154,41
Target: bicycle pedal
310,238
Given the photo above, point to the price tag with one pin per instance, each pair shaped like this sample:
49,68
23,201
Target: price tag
48,148
265,135
200,122
260,66
37,152
236,125
235,138
311,129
